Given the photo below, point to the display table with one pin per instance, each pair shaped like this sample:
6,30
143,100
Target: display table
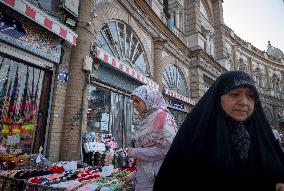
87,178
13,184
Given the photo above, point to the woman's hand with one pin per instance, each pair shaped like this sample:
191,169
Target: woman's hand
128,178
279,187
125,179
129,152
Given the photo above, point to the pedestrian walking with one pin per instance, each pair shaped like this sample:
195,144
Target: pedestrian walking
226,143
155,131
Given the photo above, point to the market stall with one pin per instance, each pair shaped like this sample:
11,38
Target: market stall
102,171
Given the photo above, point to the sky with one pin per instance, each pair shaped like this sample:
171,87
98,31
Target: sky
256,21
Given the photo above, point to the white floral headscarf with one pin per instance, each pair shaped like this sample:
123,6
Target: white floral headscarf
153,99
156,125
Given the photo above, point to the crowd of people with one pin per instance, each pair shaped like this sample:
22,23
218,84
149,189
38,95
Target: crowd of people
225,143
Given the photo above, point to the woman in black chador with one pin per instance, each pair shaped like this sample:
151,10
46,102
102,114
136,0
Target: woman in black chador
225,143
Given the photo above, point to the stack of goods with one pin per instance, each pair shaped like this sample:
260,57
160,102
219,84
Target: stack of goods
99,149
34,172
64,176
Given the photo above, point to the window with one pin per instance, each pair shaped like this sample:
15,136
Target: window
207,83
275,83
110,112
120,41
174,80
48,5
260,78
242,65
229,56
98,110
24,97
203,10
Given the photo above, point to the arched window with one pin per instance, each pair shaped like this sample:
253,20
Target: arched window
120,41
203,10
174,80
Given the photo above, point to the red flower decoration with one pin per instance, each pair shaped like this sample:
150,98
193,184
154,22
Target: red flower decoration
35,181
57,169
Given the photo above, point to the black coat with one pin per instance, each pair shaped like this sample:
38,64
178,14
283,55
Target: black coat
203,156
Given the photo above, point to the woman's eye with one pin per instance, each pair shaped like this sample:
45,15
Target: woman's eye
234,95
251,96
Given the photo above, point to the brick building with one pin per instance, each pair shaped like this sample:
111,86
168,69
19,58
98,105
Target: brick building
179,47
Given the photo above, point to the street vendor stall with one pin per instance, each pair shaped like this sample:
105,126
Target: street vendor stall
102,171
57,178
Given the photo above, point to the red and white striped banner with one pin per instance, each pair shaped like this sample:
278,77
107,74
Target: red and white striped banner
180,97
104,56
43,19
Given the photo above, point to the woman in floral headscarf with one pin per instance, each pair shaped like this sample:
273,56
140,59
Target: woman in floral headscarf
155,132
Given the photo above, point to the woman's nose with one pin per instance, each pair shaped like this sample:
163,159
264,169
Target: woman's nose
243,99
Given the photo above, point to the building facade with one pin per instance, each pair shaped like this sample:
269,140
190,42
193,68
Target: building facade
35,48
178,47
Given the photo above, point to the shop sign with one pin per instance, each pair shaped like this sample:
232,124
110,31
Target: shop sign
71,6
63,76
176,103
26,35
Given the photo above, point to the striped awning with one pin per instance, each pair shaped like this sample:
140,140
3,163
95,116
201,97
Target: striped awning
43,19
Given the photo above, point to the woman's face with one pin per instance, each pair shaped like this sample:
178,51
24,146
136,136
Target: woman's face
239,103
138,104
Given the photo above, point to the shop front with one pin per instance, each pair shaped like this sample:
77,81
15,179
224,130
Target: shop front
29,56
122,66
178,105
176,93
110,109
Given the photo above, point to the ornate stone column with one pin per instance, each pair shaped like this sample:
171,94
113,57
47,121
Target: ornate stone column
158,65
177,18
269,83
234,57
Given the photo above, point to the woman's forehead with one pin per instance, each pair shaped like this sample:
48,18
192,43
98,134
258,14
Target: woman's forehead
243,88
135,97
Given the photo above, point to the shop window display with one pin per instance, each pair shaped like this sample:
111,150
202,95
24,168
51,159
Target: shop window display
98,110
109,115
20,92
110,112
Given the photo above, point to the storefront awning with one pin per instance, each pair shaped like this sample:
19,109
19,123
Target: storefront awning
42,19
104,56
180,97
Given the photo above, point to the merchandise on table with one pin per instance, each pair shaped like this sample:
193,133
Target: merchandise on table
106,165
34,172
65,176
